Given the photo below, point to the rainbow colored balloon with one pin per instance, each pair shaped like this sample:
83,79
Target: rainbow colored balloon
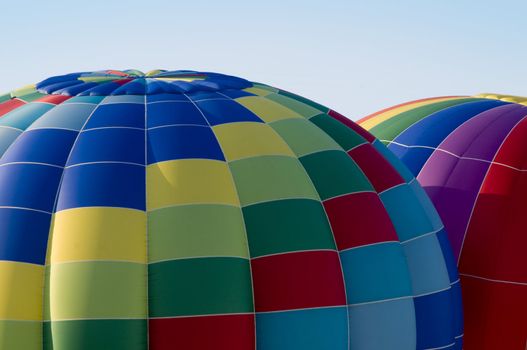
470,155
189,210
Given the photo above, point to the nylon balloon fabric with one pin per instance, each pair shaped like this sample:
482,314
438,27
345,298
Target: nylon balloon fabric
469,154
195,210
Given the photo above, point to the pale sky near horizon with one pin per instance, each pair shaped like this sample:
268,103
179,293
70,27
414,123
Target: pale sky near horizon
354,56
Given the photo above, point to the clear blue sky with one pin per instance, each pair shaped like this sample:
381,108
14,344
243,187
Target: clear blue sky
354,56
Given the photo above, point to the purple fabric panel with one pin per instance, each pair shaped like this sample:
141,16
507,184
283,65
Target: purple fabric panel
453,183
481,136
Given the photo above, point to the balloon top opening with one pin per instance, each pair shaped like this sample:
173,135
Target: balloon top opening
134,82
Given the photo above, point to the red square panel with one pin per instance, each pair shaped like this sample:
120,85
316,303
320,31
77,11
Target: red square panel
378,170
223,332
358,219
55,99
495,314
298,280
8,106
352,125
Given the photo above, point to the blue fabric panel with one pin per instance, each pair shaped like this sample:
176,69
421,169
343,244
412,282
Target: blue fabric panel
426,264
204,95
49,89
23,235
100,90
226,111
410,220
7,137
413,158
67,116
375,272
169,113
106,185
236,93
165,97
118,114
179,142
115,144
433,314
312,329
76,89
29,186
23,116
456,296
383,326
135,87
442,237
433,129
50,146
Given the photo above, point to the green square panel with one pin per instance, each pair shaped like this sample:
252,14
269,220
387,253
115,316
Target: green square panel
266,178
334,173
20,335
200,286
343,135
196,230
97,289
287,225
303,137
301,108
95,334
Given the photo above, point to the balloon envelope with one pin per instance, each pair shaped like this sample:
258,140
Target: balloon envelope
192,210
470,155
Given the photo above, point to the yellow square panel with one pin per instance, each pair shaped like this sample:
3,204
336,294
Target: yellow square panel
99,233
258,91
267,110
21,291
243,140
188,181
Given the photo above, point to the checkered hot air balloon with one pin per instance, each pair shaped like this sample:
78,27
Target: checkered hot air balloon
470,155
188,210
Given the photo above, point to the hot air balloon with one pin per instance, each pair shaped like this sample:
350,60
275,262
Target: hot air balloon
470,155
195,210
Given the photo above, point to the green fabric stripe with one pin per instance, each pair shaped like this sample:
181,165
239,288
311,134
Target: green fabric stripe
95,335
304,100
287,225
267,178
200,286
343,135
301,108
265,87
20,335
391,128
5,97
97,289
31,97
334,173
196,230
303,137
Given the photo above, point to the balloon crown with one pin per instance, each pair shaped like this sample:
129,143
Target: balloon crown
134,82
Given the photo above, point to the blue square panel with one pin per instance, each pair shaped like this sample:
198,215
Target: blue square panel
172,113
49,146
23,235
182,142
114,144
383,326
103,185
433,314
311,329
426,264
117,114
226,111
29,186
375,272
411,219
